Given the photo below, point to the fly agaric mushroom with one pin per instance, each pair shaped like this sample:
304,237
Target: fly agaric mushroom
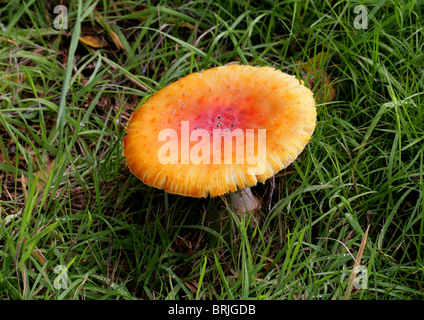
182,138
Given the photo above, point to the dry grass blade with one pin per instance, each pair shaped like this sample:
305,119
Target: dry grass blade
356,266
112,34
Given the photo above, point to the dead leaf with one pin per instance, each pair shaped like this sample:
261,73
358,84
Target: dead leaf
17,79
24,181
112,34
8,40
43,176
318,79
92,41
115,38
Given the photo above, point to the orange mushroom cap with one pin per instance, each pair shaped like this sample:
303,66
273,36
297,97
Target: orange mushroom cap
190,119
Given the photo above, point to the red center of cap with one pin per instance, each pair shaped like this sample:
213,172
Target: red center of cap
221,117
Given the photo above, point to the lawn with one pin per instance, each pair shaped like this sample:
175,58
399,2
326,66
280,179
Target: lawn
344,221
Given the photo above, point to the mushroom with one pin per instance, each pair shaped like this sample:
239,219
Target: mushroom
220,131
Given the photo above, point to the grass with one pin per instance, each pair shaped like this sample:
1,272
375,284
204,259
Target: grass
67,198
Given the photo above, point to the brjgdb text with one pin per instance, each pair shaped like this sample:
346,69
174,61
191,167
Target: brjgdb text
221,309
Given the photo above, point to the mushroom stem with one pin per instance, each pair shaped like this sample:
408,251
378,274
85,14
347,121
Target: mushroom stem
244,201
